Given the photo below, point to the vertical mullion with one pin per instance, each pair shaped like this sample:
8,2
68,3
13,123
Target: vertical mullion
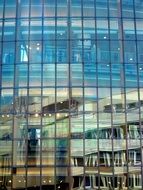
15,93
41,115
27,100
1,75
1,52
139,98
55,138
122,77
125,99
70,93
97,91
83,111
111,99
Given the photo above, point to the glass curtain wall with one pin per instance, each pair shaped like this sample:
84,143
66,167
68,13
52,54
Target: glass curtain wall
71,94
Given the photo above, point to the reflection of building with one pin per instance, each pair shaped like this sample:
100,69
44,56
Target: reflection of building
71,96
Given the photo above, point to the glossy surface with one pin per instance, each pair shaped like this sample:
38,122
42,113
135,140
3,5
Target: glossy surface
71,94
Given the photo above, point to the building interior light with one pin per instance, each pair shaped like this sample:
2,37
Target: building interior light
36,114
58,115
38,48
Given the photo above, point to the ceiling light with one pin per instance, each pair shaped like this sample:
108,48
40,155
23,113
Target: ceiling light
38,48
36,114
58,115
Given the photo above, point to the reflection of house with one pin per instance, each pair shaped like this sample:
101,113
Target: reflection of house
89,153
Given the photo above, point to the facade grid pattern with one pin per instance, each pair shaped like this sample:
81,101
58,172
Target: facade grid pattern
71,94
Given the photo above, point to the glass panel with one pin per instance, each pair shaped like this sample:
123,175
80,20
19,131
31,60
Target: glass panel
49,8
8,53
1,8
36,8
7,76
23,8
10,8
9,30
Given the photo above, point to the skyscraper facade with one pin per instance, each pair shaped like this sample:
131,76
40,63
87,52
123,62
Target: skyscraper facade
71,94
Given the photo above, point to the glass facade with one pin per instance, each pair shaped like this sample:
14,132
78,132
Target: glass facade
71,94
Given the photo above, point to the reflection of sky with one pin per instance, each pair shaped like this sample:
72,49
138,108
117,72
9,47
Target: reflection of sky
89,72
